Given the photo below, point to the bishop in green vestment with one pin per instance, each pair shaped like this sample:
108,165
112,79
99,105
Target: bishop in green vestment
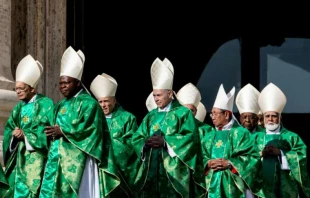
76,133
230,159
247,104
190,97
122,124
283,152
25,144
166,141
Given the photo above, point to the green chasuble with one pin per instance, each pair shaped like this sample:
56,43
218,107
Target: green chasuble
284,183
4,185
122,125
163,174
82,123
203,128
235,145
24,167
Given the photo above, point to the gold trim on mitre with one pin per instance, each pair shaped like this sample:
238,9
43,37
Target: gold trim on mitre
201,112
223,100
247,100
162,74
103,85
150,102
29,71
189,94
272,98
72,63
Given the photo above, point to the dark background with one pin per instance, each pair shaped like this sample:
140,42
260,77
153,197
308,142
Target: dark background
124,43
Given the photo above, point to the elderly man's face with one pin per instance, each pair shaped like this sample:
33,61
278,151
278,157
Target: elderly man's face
162,97
107,104
24,92
260,120
219,117
248,120
271,120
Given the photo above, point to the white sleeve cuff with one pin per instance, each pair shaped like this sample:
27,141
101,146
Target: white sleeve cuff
170,151
12,149
284,162
28,146
248,194
142,154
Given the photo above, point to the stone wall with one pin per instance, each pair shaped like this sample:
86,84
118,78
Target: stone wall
36,27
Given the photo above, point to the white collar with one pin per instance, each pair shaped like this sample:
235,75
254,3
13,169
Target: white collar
78,93
32,99
108,116
228,126
166,108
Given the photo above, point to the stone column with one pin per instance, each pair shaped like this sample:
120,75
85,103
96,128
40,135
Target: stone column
41,26
36,27
8,98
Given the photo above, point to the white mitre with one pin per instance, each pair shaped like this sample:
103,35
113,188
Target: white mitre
247,100
189,94
29,71
162,74
201,112
103,85
150,102
223,100
272,98
72,63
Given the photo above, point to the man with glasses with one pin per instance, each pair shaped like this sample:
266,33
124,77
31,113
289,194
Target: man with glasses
25,143
230,159
283,152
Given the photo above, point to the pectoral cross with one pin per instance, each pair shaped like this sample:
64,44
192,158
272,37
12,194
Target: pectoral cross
156,127
219,143
63,110
25,119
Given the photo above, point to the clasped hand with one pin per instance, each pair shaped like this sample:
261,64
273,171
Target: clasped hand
271,150
53,131
218,164
18,133
156,141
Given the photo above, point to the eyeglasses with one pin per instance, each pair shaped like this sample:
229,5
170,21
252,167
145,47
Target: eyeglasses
21,89
215,114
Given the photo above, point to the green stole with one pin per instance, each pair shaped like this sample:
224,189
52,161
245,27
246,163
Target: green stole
270,165
156,166
218,151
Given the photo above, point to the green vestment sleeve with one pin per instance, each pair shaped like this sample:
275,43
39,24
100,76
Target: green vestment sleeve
122,126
